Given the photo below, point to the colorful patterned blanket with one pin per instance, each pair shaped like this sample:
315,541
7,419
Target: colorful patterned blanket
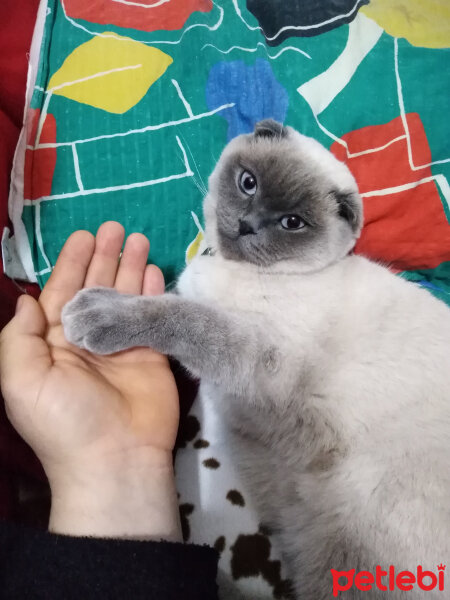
129,105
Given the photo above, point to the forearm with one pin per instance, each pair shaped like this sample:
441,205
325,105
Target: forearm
230,350
130,496
209,342
212,343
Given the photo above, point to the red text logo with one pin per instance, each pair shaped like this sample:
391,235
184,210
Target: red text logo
388,580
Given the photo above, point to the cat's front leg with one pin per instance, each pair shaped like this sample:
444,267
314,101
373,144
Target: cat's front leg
211,343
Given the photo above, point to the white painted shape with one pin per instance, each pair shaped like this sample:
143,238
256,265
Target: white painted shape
76,165
443,184
42,118
114,188
38,233
319,92
262,45
189,172
401,104
362,152
186,104
330,134
45,271
377,148
140,130
93,76
197,221
140,4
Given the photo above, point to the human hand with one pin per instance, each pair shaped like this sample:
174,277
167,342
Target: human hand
103,427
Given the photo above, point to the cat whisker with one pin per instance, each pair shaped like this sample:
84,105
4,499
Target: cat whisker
200,188
195,165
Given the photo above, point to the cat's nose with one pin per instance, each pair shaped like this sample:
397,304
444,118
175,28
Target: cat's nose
245,228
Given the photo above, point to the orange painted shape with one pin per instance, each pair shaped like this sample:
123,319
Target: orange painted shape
388,167
407,229
145,15
39,164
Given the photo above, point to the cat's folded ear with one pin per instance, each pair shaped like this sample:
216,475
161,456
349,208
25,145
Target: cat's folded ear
350,208
270,128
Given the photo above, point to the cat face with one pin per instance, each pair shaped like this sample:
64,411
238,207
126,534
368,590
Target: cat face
278,195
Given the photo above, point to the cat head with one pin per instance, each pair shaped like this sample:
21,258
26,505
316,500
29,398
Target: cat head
277,195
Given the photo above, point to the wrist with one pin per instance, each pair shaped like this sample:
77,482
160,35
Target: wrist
129,495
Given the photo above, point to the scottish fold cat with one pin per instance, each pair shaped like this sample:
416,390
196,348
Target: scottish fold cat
332,374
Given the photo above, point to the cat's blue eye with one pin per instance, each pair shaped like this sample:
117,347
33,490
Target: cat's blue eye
248,183
292,222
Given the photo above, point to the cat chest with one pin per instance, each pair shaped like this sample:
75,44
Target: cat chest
280,301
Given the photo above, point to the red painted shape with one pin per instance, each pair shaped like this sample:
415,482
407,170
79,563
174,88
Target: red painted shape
40,163
407,229
169,15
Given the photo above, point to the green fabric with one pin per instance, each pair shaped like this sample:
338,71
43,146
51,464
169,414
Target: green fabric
162,211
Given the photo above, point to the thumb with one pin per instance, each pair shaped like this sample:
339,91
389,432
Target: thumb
24,353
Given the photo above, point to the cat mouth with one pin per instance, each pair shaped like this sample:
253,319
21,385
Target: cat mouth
236,246
232,236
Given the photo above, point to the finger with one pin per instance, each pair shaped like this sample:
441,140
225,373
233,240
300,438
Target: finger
104,263
24,355
153,284
68,275
130,274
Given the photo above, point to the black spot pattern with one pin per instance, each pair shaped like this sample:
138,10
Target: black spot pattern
211,463
186,510
198,444
219,544
236,498
188,431
250,557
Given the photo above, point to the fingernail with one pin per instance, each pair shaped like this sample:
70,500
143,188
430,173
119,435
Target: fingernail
19,304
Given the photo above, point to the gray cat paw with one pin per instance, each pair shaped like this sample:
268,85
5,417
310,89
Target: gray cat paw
95,320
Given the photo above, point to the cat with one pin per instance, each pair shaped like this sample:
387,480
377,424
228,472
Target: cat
331,373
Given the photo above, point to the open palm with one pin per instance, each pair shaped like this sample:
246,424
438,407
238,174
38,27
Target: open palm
66,402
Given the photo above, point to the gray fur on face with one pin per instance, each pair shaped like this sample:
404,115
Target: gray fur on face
289,182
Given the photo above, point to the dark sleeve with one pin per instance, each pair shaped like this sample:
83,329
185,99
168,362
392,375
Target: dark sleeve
37,565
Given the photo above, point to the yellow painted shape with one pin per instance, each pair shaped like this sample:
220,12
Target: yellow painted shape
112,73
194,247
423,23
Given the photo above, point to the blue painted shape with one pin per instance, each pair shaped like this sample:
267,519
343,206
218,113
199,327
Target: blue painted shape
254,90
